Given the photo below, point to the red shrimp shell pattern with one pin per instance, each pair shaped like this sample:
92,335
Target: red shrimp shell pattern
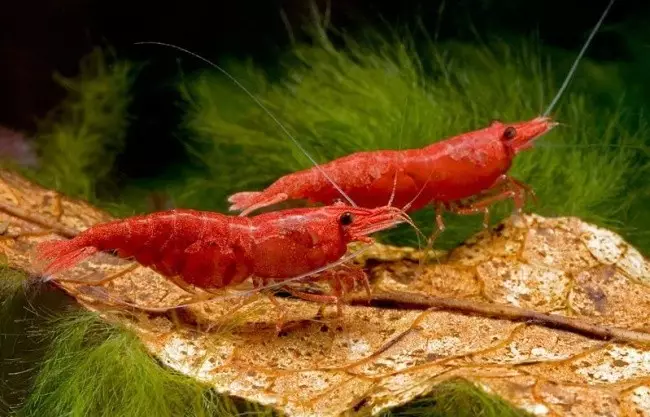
212,250
449,170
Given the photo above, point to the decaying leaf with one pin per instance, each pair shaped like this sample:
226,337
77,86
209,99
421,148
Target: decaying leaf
376,358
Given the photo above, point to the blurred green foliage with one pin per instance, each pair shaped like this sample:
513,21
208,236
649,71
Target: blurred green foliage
80,139
58,360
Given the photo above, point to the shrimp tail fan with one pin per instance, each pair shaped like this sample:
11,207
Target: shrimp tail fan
243,200
62,254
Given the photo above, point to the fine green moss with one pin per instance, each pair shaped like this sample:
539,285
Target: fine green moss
79,140
89,367
95,369
23,310
386,93
457,398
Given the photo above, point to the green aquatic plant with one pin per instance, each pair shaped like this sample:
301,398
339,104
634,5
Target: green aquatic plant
95,369
79,139
19,352
60,360
457,398
394,93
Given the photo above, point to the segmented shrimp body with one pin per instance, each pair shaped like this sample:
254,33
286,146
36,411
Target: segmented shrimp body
212,250
443,173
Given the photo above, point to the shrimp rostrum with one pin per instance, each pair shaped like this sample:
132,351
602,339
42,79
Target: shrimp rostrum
212,251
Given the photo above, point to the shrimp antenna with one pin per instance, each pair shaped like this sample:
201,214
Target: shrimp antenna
577,61
430,240
392,193
410,203
263,107
399,147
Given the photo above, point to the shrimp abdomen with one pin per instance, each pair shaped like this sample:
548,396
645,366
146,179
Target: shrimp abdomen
154,240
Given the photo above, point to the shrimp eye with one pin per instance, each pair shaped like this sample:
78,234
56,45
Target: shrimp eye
346,218
509,133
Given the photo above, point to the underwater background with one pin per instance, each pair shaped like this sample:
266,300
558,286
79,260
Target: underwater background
136,128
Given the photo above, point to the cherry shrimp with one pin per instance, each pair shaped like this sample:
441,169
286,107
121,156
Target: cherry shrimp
464,174
211,251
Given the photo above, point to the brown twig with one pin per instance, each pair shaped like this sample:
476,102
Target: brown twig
423,302
39,220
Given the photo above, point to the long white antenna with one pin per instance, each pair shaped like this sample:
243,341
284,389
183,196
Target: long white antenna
577,61
267,111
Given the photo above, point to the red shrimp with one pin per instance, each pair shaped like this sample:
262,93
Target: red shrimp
211,251
464,174
444,173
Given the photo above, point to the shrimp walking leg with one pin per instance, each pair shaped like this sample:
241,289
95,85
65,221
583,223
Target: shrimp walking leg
279,325
317,298
360,276
505,188
178,281
282,319
508,188
526,189
521,190
343,280
482,206
440,224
